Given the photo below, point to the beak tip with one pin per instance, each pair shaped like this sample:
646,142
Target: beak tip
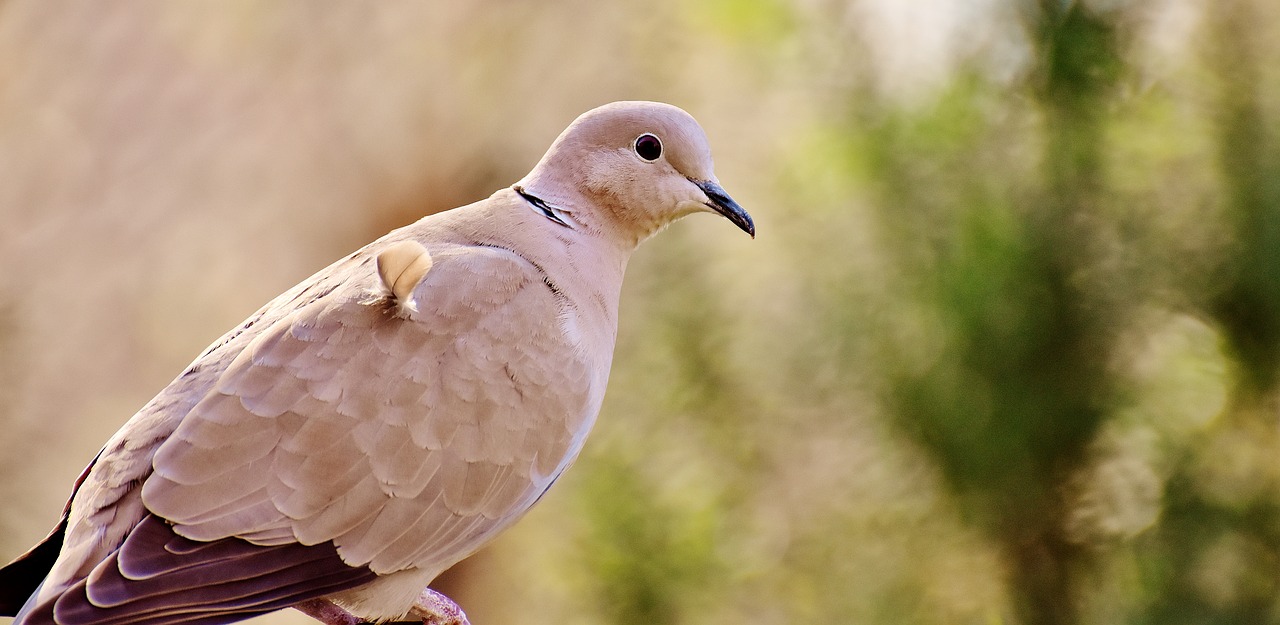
719,201
741,219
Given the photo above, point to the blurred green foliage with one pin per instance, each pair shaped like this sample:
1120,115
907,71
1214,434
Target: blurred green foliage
1006,351
1027,256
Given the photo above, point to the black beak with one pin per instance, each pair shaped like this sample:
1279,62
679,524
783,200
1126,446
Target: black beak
720,202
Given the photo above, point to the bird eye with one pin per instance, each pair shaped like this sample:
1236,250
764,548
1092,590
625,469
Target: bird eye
648,147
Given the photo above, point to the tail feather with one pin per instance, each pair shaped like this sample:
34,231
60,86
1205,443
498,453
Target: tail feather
20,579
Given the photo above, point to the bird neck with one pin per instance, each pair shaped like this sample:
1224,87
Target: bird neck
566,238
599,215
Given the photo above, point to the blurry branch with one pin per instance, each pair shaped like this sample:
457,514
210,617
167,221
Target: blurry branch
1079,65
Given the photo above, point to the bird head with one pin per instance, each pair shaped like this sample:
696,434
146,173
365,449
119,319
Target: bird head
629,169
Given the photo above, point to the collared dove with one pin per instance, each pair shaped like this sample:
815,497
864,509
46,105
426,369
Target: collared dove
385,418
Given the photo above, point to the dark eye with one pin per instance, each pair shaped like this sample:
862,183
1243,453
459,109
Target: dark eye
648,147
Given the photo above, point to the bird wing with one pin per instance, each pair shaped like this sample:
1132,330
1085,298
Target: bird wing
341,417
406,435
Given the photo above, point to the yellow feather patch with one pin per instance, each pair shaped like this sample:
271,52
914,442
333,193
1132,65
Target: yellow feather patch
401,266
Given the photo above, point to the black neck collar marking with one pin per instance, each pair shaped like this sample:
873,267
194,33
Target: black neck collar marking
542,206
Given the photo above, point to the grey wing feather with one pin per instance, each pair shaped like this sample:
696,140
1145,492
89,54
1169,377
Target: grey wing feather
406,439
159,577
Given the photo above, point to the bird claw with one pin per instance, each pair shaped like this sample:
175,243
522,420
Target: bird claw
431,608
327,613
436,609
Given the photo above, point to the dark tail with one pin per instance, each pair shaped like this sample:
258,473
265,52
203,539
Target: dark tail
20,578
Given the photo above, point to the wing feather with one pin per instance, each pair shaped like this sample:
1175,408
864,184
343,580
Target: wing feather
157,576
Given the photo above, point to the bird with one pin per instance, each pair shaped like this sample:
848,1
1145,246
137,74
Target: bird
386,417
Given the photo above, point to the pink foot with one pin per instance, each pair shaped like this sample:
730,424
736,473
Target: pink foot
436,609
327,613
432,608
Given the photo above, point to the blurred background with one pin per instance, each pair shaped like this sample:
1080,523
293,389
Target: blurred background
1006,351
